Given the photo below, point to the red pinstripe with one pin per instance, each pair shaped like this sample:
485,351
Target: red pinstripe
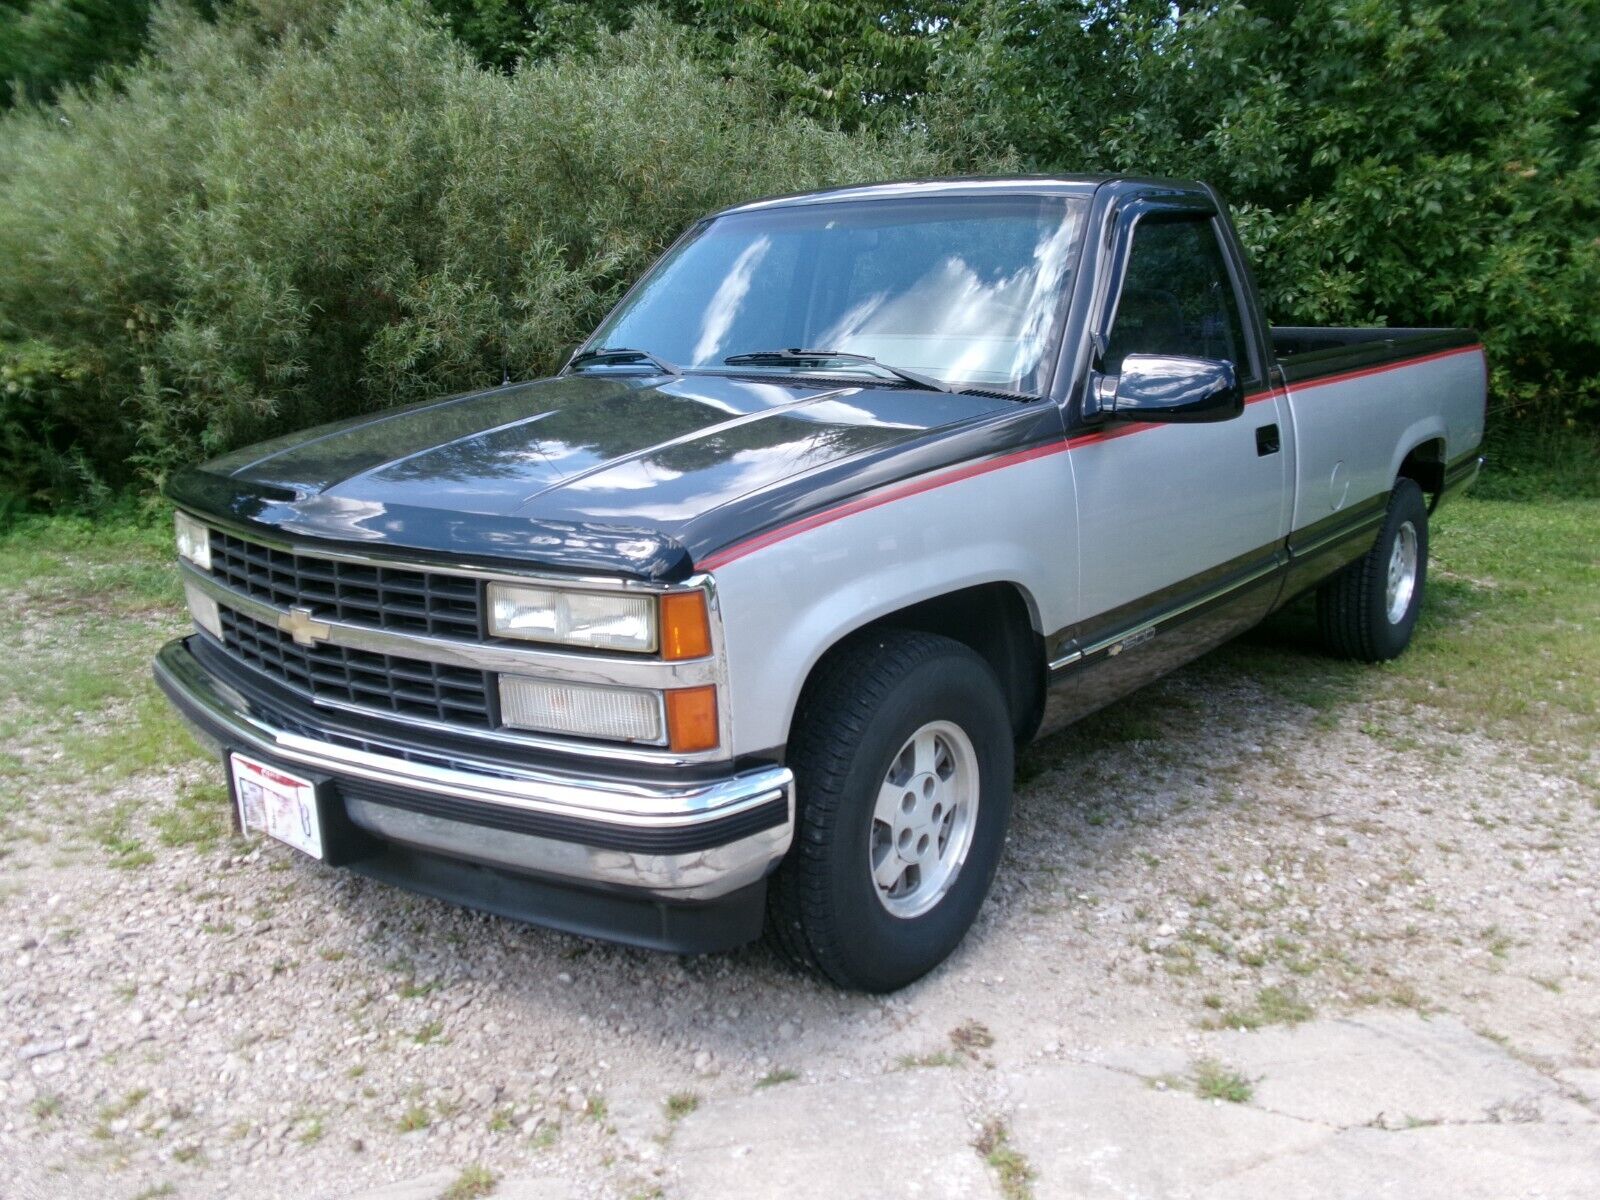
937,479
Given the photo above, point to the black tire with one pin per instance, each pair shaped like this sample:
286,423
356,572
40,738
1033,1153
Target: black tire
1352,606
860,707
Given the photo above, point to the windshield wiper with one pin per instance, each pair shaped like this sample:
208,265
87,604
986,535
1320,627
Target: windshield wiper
621,354
758,358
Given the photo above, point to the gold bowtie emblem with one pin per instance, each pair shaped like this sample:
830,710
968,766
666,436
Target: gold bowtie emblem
305,629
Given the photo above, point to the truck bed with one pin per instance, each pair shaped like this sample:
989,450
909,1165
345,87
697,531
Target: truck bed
1310,351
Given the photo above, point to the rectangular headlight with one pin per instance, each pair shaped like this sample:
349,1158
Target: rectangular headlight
584,710
194,540
597,620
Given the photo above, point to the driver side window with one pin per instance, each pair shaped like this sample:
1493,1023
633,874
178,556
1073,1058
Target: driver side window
1177,297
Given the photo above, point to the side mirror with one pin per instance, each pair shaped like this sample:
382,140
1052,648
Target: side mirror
1158,387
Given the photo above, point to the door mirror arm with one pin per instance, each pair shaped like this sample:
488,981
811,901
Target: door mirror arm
1099,398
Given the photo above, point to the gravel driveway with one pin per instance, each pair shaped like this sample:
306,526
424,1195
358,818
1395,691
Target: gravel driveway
1207,858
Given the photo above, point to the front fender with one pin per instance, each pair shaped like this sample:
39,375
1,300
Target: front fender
789,602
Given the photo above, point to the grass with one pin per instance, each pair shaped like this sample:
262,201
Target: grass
776,1076
432,1031
200,817
473,1182
970,1036
1505,644
1015,1174
1213,1081
1272,1006
680,1104
939,1058
413,1119
121,1108
46,1108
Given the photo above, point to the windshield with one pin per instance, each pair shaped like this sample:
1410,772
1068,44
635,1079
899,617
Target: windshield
964,289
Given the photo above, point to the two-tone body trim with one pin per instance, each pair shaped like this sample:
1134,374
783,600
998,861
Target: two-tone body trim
1133,624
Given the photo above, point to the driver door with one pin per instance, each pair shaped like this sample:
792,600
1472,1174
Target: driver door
1181,526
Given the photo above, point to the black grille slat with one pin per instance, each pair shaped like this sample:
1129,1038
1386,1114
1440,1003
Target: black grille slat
397,598
382,682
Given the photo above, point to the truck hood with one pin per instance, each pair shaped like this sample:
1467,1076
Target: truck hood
578,471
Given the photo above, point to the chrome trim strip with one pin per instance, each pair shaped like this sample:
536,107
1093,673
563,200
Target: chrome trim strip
567,665
639,803
1066,660
1344,533
608,752
213,709
698,875
1152,624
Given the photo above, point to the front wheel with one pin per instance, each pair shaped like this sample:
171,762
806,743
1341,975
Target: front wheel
902,754
1369,609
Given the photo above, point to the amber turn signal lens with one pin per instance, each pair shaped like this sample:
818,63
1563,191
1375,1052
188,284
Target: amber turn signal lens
692,718
685,628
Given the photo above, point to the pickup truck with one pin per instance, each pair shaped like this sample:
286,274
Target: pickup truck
735,624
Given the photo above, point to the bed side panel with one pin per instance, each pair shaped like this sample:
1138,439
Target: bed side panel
1353,429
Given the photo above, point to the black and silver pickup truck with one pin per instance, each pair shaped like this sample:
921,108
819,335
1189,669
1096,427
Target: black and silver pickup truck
736,622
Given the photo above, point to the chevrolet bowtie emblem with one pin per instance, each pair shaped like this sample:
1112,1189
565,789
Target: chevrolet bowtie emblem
305,629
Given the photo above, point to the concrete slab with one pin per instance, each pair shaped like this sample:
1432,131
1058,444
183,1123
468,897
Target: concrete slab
1389,1105
1584,1080
1093,1132
1442,1162
433,1185
542,1188
422,1187
904,1135
1391,1069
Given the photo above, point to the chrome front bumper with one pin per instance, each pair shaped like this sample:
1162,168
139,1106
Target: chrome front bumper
667,841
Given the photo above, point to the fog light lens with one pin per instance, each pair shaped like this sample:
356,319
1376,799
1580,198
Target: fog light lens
194,540
583,710
599,620
204,610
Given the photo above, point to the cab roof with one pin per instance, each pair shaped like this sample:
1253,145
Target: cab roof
1007,185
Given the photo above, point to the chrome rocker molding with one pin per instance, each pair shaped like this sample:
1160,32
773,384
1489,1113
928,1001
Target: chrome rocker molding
467,814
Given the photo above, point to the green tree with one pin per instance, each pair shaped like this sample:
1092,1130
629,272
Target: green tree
846,62
1391,162
46,45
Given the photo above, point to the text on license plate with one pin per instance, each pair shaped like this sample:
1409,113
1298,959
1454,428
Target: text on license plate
277,803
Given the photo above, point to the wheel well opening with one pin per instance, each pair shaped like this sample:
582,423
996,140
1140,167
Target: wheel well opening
993,620
1425,466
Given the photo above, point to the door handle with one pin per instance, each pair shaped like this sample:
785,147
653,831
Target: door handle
1267,440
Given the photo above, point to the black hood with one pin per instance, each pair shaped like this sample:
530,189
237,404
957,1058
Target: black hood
585,472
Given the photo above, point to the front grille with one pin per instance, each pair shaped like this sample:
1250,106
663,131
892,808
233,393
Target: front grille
398,598
381,682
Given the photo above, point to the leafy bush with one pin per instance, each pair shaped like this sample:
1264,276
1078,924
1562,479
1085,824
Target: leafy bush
258,232
294,210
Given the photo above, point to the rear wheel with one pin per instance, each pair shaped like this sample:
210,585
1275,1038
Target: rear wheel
1369,609
902,753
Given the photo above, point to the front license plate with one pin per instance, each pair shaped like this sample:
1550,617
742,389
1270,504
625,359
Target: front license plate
274,802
